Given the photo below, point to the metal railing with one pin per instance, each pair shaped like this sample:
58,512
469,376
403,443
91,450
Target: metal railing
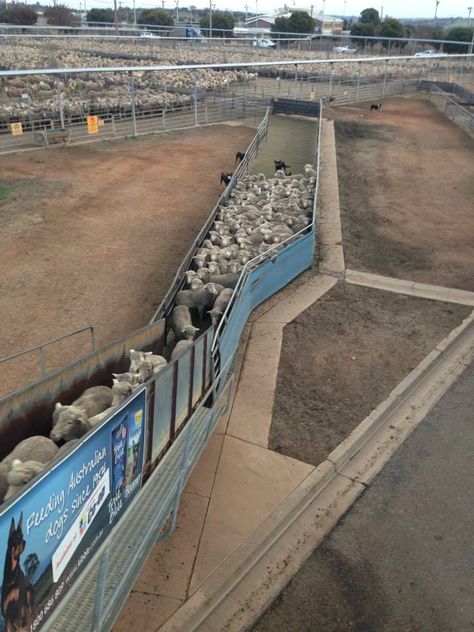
455,112
41,348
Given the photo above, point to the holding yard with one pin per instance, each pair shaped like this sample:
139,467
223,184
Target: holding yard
93,234
406,184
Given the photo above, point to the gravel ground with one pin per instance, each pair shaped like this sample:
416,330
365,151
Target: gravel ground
342,356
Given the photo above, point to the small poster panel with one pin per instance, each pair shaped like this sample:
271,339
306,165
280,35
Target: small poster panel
17,129
49,534
93,124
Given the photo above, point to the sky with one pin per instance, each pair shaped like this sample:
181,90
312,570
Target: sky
394,8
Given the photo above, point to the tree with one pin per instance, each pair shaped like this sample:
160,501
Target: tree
369,16
100,15
280,26
156,17
363,30
20,14
390,27
459,34
300,22
60,16
220,20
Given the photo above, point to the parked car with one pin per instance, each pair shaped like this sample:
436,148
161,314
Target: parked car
430,53
344,49
148,34
194,33
264,43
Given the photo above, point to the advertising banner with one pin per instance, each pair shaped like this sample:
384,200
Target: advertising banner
49,534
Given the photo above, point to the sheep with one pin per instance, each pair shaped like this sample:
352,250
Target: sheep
136,358
199,299
228,280
181,345
20,474
182,324
92,401
70,426
121,390
220,304
66,447
35,448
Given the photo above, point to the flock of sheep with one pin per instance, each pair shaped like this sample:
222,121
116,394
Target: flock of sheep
259,217
168,90
84,94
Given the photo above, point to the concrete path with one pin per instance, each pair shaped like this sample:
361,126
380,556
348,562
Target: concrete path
245,502
402,558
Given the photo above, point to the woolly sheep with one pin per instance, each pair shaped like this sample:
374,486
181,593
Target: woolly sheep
20,474
199,299
182,324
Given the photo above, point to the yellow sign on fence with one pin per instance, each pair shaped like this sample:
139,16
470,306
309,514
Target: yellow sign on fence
17,129
93,124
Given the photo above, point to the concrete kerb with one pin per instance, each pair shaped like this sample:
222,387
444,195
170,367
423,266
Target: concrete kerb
411,288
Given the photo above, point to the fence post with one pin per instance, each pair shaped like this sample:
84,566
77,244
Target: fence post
195,96
134,114
384,77
42,364
60,102
331,70
114,131
296,75
358,81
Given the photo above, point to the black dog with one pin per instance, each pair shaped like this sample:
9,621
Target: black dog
239,156
225,178
18,594
279,164
376,107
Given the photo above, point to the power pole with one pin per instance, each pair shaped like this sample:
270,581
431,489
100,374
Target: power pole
116,16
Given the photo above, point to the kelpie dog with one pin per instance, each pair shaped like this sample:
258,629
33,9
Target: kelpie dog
17,591
376,106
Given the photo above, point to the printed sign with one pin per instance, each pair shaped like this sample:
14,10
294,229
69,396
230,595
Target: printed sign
17,129
93,124
51,532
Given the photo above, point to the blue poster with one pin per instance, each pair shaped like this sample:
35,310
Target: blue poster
48,535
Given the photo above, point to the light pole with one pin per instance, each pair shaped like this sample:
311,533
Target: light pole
246,7
210,18
471,45
436,14
134,16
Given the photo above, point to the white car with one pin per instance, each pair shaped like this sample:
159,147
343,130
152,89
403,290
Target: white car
148,34
430,53
344,49
264,43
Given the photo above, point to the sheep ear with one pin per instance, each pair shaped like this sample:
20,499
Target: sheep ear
132,351
16,463
58,405
196,328
148,352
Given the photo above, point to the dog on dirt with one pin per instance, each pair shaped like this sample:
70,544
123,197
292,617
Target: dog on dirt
376,106
18,594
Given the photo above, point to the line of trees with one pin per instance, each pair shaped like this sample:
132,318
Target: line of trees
370,25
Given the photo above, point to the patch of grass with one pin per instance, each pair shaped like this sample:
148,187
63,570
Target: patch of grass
5,191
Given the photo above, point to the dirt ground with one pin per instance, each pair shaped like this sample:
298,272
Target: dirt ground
406,183
342,356
93,234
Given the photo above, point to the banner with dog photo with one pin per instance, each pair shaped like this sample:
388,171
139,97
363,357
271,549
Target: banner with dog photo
50,533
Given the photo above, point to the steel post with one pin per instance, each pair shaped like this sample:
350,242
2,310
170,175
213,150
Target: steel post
60,102
384,78
358,81
134,114
195,97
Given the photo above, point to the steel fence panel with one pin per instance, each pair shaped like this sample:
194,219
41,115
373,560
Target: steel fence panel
163,386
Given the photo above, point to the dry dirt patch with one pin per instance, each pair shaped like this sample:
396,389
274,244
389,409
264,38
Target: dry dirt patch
93,234
406,183
342,356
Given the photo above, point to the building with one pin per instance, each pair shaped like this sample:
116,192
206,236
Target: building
325,24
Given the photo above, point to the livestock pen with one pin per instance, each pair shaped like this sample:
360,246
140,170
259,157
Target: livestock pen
86,534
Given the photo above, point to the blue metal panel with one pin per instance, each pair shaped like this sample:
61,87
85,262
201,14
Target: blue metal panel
262,282
198,373
184,384
162,412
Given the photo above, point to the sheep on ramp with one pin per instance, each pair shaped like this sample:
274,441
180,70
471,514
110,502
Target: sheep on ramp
199,299
220,304
182,324
92,402
20,474
36,448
